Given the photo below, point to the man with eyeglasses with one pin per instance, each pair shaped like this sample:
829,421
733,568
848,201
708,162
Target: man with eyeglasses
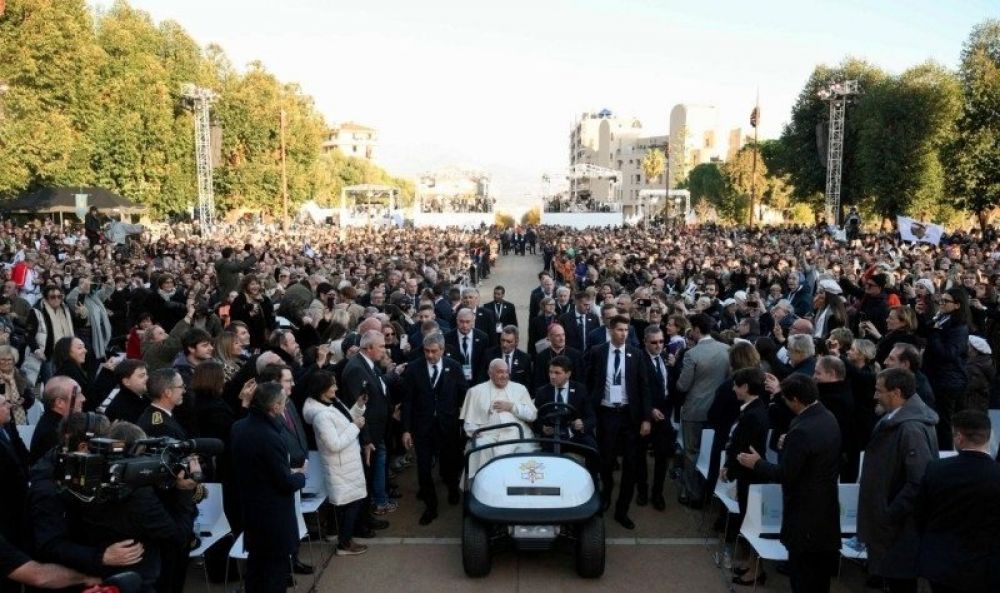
166,391
661,437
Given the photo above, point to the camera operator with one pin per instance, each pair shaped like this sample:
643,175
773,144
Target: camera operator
58,532
161,518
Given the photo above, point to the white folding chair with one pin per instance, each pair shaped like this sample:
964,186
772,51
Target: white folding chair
726,493
314,492
26,431
211,524
763,518
34,413
705,452
861,466
770,454
848,496
995,432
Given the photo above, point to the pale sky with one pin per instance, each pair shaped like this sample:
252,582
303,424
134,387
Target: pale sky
497,85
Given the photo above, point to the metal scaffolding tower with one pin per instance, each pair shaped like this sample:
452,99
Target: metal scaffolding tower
838,94
201,101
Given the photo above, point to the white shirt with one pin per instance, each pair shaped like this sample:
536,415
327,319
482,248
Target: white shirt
430,373
469,342
609,376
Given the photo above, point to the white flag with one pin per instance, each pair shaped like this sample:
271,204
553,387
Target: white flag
916,231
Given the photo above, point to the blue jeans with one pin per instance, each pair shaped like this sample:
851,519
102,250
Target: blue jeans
379,493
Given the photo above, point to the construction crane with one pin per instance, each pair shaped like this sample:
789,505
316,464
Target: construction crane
201,102
838,95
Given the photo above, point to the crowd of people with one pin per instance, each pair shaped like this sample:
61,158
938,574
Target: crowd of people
861,360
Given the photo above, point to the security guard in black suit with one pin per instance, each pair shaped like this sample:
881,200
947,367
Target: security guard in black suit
517,361
662,437
166,392
579,429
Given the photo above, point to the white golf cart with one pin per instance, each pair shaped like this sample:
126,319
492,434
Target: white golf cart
533,500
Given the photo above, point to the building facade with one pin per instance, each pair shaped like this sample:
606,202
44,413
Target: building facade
694,139
352,140
593,140
454,190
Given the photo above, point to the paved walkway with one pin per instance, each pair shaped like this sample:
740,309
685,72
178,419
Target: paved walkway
668,551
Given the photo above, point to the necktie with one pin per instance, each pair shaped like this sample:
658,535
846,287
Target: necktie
506,359
659,369
559,395
583,325
465,348
434,376
616,378
288,421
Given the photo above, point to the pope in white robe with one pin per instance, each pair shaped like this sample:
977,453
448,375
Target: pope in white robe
498,401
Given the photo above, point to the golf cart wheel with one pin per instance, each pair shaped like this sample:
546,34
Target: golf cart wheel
475,548
590,548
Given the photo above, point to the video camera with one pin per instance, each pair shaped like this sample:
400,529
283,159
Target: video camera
108,470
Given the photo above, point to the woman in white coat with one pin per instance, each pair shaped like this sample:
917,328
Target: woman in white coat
337,429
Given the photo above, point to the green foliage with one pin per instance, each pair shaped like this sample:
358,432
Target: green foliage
705,182
96,100
973,156
799,158
904,121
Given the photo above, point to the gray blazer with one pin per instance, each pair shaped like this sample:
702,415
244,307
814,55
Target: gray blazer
706,366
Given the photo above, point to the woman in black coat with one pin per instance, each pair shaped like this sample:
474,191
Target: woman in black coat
750,431
255,309
69,358
947,336
902,326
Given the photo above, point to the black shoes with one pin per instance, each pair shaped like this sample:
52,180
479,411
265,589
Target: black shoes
642,499
659,503
299,567
427,517
624,521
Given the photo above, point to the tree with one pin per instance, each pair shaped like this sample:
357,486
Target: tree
973,157
653,164
705,182
532,217
503,220
800,157
742,175
904,121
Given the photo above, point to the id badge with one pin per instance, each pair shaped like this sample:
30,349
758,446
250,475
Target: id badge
615,394
499,328
467,371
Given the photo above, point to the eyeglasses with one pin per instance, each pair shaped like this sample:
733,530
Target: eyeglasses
654,342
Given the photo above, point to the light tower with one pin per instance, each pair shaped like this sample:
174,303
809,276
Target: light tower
201,101
838,95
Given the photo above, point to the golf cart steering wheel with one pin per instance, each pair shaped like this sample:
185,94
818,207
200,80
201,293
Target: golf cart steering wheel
560,411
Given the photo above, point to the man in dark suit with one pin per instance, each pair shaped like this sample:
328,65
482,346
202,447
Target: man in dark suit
435,390
580,322
62,397
486,322
957,512
564,304
578,429
471,345
504,311
557,347
128,400
808,474
443,310
546,288
518,362
602,334
616,378
166,392
362,374
662,437
268,486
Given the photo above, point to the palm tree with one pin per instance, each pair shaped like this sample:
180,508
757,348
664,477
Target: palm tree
653,165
